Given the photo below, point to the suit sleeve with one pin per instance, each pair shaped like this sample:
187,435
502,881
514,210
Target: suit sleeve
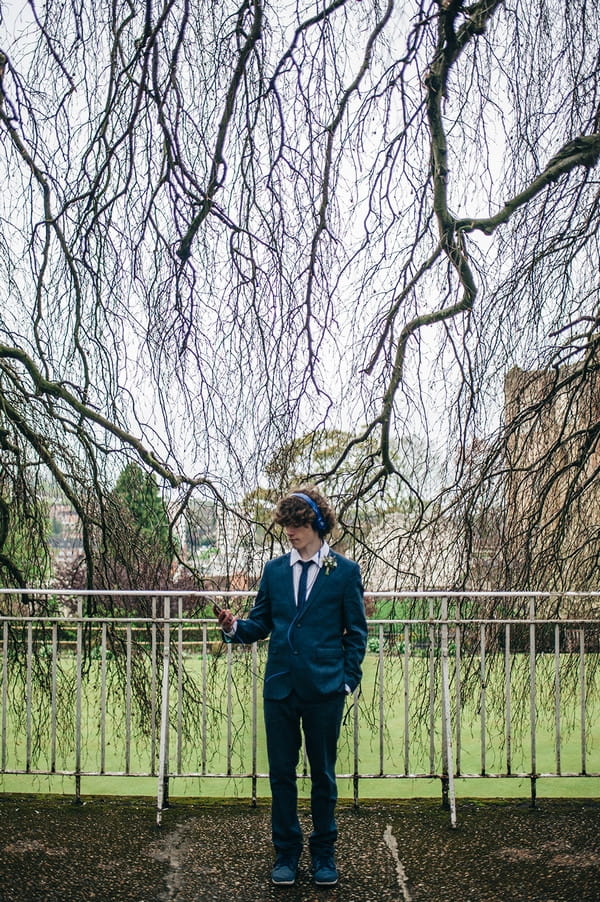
258,624
355,628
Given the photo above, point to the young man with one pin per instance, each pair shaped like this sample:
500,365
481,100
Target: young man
310,602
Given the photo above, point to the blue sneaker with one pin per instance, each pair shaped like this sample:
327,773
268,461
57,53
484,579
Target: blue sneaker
324,870
284,871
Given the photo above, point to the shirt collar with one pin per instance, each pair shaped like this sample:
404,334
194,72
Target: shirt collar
317,557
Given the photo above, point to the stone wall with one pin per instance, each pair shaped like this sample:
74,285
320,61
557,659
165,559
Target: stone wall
552,529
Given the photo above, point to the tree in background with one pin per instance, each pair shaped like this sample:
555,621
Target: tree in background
228,226
24,533
138,500
142,544
137,548
372,515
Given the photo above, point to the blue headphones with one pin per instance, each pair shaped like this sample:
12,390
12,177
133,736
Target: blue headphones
319,518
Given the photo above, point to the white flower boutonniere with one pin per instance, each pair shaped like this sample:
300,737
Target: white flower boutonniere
329,564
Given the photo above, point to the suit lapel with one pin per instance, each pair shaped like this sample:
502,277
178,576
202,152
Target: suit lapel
317,587
288,581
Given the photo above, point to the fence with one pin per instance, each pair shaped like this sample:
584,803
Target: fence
454,686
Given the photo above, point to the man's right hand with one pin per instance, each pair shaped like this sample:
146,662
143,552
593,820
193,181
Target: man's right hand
226,619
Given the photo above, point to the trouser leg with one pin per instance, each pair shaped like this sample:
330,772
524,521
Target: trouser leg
321,724
282,726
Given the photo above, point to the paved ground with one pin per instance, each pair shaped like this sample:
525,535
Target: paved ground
111,851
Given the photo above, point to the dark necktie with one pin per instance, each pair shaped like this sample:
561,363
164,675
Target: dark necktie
302,584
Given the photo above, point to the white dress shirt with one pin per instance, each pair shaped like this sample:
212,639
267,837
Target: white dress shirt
317,559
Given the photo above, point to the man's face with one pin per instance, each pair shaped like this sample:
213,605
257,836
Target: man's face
302,538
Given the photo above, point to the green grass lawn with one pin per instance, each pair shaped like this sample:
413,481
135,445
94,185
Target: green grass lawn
405,752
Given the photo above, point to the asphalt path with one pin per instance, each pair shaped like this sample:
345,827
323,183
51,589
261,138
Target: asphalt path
111,850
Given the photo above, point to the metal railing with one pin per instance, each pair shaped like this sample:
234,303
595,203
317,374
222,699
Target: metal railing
454,687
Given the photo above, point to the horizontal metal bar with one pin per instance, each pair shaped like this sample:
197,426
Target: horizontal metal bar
301,775
237,593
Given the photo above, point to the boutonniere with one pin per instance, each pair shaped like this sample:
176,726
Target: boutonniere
329,564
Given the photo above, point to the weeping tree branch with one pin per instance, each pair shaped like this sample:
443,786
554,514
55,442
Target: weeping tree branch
54,390
451,44
218,170
583,151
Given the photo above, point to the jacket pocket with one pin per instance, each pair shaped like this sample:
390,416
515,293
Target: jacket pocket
328,655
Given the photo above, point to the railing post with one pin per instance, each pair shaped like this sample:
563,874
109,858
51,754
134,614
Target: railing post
153,685
162,799
458,691
78,701
381,639
4,697
448,792
583,691
254,723
533,700
356,775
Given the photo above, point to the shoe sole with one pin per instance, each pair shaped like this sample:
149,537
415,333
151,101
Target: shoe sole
289,882
325,882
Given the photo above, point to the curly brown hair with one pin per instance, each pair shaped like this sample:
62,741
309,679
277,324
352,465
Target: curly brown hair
294,511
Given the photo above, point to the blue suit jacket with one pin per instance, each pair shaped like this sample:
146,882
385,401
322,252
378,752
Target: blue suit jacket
319,650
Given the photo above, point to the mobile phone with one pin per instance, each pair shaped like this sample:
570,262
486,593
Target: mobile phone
217,609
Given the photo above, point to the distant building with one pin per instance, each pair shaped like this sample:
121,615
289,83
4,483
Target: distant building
552,530
66,544
409,561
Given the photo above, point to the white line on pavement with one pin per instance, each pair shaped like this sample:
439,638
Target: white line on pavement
392,844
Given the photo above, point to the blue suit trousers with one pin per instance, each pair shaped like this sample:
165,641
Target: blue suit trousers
320,720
